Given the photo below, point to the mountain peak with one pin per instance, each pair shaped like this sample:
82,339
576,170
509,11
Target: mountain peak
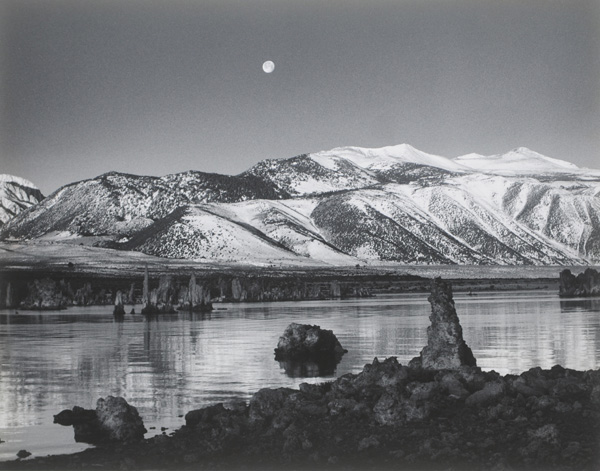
383,158
520,160
524,150
6,178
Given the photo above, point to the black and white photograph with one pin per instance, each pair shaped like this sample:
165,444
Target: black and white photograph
300,235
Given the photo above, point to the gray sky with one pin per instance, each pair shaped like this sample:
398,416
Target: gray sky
156,87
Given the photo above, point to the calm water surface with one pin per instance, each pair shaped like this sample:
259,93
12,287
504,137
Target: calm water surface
172,364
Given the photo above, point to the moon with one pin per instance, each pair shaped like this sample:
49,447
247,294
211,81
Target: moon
268,67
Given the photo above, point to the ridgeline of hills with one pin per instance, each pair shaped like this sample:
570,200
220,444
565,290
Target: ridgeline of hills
344,206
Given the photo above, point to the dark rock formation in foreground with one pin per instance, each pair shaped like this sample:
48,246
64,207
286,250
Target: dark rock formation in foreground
584,284
446,348
394,416
389,416
113,420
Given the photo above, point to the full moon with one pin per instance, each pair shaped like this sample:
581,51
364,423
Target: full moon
268,67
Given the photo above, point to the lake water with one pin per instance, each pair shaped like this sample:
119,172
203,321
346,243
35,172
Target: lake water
169,365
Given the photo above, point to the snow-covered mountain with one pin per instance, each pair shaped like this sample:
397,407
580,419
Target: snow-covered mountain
351,168
521,161
344,206
16,195
384,158
117,204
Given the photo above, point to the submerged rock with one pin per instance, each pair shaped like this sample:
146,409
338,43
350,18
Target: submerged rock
446,348
113,420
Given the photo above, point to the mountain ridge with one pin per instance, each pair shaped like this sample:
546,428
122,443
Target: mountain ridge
343,206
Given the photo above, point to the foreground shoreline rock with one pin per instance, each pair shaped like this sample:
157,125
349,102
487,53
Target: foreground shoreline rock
113,420
388,416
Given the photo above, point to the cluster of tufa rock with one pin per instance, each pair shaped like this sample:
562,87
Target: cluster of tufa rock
584,284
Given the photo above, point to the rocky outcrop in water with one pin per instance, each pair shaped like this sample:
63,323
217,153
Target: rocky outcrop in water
84,295
131,294
265,289
44,294
22,454
446,348
119,310
113,420
195,297
308,351
584,284
9,301
307,342
148,300
160,299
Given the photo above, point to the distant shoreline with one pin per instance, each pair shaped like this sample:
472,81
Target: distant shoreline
109,270
90,276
